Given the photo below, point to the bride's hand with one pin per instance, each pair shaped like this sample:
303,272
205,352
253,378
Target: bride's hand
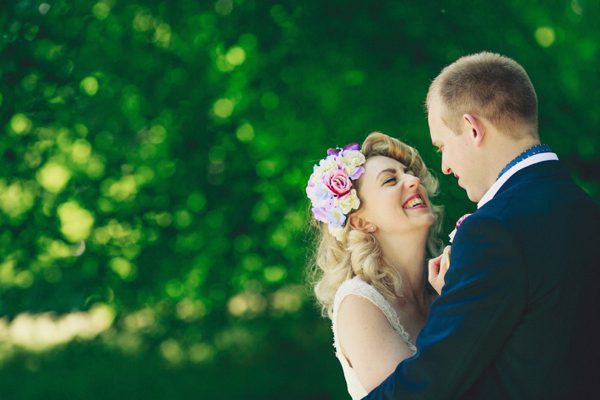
437,269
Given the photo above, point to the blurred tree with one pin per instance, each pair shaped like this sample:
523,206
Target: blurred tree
154,158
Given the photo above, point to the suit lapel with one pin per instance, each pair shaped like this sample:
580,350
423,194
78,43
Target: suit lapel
540,170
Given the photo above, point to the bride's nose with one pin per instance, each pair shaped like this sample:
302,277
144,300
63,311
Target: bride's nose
411,182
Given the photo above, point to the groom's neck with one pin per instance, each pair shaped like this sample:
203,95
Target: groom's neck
502,149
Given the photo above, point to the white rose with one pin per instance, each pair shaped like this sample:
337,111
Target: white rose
349,202
328,164
336,232
351,159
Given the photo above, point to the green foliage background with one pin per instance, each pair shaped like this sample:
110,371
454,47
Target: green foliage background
154,156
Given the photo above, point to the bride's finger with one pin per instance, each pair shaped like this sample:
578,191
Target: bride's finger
434,268
436,274
445,264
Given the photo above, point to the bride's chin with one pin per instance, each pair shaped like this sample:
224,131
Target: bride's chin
430,220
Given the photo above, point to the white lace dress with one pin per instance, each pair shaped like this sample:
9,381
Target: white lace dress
360,288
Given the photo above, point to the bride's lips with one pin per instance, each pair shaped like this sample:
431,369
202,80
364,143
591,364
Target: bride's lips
414,196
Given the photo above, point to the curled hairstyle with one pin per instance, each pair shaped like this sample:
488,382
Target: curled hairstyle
358,253
488,85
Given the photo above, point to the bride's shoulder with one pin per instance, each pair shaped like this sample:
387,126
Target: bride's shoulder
360,291
356,299
354,286
355,310
361,314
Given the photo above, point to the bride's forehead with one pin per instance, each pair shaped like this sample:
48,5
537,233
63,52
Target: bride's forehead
376,164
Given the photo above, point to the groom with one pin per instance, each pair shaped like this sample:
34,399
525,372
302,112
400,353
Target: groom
519,315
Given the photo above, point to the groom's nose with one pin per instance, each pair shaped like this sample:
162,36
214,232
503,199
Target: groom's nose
446,169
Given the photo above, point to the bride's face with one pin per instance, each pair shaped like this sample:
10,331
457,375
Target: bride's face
393,199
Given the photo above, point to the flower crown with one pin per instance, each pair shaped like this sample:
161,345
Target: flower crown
330,187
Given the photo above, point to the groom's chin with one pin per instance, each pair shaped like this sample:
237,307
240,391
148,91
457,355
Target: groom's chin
472,196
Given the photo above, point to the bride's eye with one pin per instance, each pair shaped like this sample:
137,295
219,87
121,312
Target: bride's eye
393,179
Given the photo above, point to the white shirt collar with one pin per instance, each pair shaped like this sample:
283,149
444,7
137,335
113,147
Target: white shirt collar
515,168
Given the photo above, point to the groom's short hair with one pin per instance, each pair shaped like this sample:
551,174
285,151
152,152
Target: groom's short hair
488,85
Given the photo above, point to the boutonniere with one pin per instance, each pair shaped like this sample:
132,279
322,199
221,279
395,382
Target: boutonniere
460,221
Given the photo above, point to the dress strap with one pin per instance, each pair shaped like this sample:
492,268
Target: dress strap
358,287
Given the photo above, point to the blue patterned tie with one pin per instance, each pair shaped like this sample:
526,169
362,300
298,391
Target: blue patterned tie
537,149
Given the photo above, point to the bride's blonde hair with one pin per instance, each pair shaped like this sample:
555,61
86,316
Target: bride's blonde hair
358,253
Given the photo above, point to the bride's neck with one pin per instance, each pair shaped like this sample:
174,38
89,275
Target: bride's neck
406,254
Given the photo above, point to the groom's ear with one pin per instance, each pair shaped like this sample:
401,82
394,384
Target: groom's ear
358,222
476,128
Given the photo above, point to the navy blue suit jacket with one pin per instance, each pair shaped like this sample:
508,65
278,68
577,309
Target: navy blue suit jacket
519,315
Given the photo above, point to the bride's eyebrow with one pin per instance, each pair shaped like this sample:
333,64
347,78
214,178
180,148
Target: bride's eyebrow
391,170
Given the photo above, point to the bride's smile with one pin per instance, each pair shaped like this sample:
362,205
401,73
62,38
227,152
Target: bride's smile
414,202
393,198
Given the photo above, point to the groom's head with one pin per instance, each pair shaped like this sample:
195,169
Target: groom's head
481,109
490,86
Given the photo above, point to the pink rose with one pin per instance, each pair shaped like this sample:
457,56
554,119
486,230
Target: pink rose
338,182
461,219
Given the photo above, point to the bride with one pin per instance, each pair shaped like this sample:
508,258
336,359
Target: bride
376,228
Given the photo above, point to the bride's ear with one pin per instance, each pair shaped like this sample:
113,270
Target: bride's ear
360,223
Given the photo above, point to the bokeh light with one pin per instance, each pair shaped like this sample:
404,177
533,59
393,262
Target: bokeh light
545,36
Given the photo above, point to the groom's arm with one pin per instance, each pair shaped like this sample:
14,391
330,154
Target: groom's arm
480,305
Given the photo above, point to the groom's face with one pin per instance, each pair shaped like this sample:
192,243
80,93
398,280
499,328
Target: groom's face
456,151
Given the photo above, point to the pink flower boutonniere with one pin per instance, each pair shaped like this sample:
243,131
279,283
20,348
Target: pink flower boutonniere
460,221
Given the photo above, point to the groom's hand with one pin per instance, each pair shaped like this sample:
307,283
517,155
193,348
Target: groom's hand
437,269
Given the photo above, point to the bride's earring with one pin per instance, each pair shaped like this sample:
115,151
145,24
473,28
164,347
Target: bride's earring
372,228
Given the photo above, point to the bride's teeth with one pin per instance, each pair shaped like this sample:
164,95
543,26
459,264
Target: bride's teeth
414,202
